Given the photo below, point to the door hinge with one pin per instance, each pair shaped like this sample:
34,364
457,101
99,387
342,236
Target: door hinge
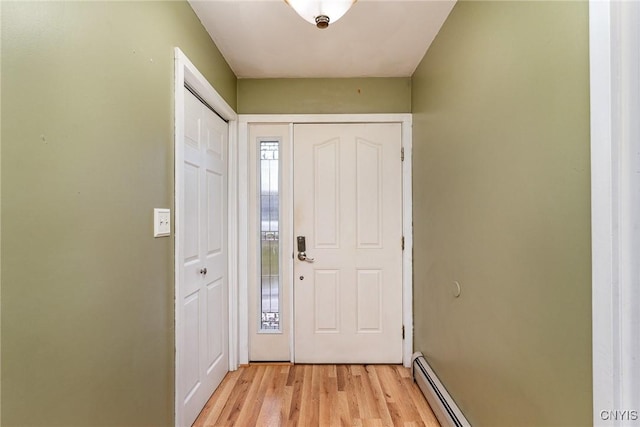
403,243
402,154
402,331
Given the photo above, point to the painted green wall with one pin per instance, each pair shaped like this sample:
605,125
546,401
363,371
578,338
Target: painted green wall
87,153
324,96
502,205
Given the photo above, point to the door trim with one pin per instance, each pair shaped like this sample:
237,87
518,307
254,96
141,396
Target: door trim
614,55
186,72
243,193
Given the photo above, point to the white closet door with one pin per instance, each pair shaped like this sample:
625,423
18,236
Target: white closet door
202,301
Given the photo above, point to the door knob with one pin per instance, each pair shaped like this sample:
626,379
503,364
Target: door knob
302,256
203,270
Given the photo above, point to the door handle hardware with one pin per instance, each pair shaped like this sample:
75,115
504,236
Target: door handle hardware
302,256
203,270
302,247
302,243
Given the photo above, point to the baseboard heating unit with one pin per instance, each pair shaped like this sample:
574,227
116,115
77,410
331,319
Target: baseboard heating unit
442,405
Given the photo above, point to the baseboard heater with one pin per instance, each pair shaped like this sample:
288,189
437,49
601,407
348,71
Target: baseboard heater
443,406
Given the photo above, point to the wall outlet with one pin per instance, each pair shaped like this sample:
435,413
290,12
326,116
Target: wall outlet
161,222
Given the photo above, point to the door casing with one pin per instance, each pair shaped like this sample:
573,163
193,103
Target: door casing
243,217
614,52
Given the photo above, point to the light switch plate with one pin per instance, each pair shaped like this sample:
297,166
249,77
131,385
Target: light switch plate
161,222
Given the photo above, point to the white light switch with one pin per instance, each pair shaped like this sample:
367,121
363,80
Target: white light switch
161,222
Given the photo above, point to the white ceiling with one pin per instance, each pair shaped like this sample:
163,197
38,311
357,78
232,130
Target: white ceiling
376,38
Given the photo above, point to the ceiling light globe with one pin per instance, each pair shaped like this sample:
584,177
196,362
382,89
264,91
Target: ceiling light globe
321,12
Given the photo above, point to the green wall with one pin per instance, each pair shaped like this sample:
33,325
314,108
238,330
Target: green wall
324,96
502,205
87,153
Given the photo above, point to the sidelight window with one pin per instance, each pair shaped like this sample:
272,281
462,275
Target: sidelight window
269,185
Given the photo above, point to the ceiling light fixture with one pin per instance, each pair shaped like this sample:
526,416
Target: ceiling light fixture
321,12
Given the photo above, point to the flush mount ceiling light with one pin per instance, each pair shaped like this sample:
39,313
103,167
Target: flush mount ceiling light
321,12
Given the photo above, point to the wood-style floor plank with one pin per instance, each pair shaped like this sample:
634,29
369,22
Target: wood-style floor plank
317,396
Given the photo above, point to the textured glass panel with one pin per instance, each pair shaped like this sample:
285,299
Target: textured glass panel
269,235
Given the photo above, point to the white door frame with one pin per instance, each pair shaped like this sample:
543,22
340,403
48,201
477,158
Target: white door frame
243,196
186,72
614,47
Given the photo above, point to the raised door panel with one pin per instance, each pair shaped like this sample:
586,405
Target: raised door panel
215,317
215,137
369,297
327,301
191,228
369,197
191,379
215,214
326,186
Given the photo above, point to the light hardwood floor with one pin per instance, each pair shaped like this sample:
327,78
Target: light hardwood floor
317,395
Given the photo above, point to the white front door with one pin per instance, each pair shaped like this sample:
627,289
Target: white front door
348,207
202,290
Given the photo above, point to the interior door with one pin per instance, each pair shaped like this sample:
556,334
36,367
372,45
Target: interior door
202,300
348,209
